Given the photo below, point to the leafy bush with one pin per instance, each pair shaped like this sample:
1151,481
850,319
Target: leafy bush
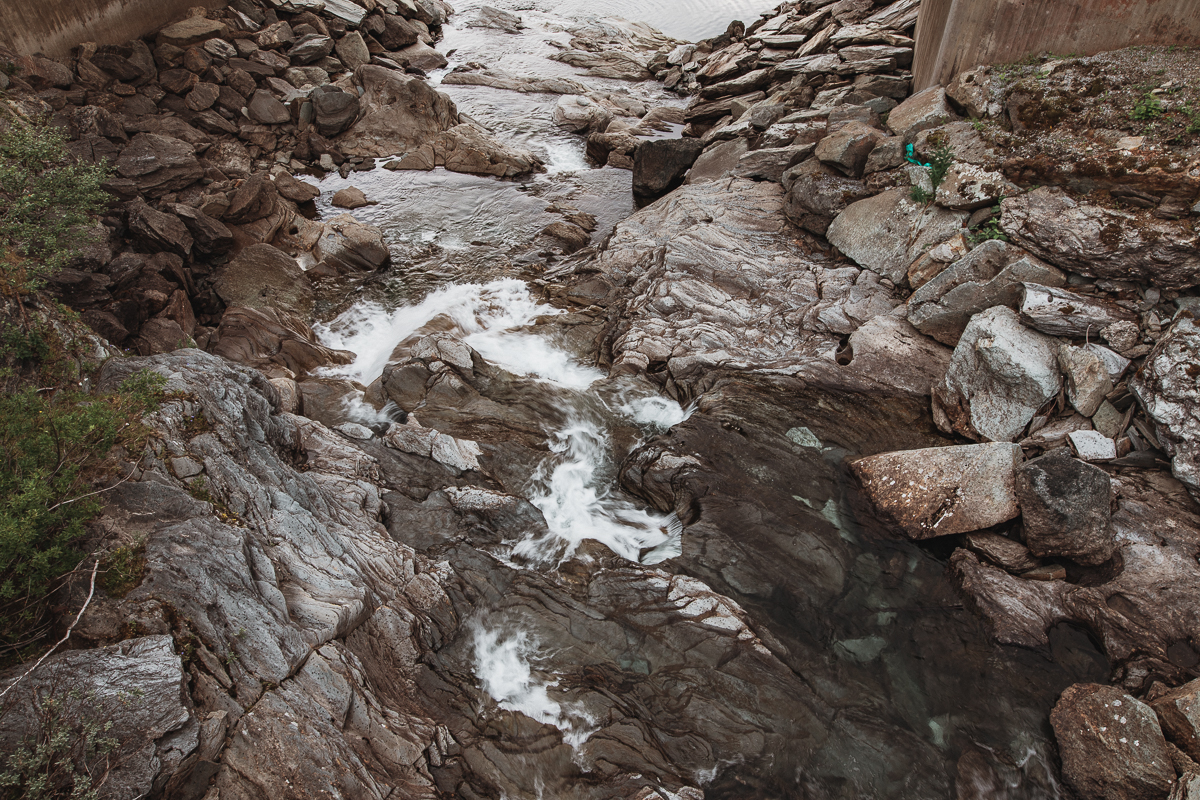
1148,107
46,199
51,444
69,755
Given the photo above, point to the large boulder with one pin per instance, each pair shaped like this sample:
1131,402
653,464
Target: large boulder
255,199
467,148
1065,508
1001,373
817,194
847,148
351,244
137,686
885,233
335,110
924,110
939,491
1102,242
1111,745
1179,714
157,231
660,164
578,113
399,113
192,30
1166,387
889,350
159,164
992,274
717,161
262,276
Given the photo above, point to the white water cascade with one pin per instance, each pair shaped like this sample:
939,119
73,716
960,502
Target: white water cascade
573,487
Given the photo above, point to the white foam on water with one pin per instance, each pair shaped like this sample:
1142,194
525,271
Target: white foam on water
563,157
503,665
656,412
575,497
573,488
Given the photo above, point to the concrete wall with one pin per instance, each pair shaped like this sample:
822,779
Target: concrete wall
955,35
53,27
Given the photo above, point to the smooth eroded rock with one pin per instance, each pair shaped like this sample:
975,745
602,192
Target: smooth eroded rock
943,490
262,276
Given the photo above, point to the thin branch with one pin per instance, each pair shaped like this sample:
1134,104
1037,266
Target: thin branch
67,635
89,494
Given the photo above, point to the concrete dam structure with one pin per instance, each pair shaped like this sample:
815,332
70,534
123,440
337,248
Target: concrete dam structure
956,35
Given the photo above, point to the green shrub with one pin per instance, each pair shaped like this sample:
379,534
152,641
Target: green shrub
1148,107
69,755
918,194
51,446
47,198
939,165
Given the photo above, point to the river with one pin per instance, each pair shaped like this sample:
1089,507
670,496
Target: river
897,684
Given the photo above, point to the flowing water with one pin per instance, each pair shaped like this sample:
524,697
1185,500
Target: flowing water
457,240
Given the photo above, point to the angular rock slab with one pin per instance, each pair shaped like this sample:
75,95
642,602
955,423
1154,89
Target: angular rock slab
659,165
1065,508
1168,390
1179,714
1101,242
943,490
885,233
1111,745
922,111
1001,373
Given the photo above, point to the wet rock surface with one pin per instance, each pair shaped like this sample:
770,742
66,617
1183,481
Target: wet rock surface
363,574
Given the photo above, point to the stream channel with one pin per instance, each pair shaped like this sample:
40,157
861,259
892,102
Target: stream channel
879,684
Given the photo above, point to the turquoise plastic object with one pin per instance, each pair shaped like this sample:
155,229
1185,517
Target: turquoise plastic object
909,157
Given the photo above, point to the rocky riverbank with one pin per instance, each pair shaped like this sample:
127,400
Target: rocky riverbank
984,344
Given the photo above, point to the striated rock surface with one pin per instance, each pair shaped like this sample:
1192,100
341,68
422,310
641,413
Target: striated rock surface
1167,388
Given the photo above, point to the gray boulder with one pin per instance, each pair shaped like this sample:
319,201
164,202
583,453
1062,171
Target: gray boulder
157,231
717,161
352,50
769,164
885,233
924,110
990,275
1001,373
1065,508
848,147
335,110
1167,389
1179,714
1111,745
352,244
1061,312
943,490
817,193
310,48
264,108
159,164
1102,242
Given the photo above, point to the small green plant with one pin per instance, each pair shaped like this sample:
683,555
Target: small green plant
989,229
52,445
919,194
124,568
47,198
68,755
1148,107
939,165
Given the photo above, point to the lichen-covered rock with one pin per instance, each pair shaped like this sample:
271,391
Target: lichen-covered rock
1111,745
885,233
1179,715
1001,373
1167,389
924,110
943,490
1101,242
